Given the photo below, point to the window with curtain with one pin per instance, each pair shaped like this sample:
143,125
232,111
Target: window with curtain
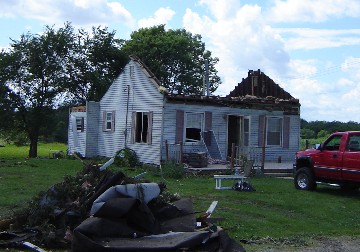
193,126
246,131
274,131
141,127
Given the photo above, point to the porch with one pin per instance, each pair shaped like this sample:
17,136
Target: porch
201,161
284,169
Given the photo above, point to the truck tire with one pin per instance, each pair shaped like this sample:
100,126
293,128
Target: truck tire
304,180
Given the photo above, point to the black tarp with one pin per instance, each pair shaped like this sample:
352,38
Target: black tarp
123,223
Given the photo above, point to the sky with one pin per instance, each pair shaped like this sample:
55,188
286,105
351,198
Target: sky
311,48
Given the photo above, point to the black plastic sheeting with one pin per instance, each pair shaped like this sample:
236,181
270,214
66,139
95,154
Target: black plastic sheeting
124,223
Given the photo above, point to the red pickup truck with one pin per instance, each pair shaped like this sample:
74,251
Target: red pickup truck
335,161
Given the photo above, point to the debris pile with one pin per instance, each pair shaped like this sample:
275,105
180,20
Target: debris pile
102,210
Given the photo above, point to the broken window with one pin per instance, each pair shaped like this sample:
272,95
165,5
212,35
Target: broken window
80,124
141,127
194,126
274,131
109,120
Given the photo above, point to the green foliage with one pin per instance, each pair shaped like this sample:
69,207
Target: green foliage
176,57
172,170
96,64
330,127
307,133
322,133
126,158
39,70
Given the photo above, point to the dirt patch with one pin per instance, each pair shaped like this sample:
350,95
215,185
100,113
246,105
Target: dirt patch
318,244
335,244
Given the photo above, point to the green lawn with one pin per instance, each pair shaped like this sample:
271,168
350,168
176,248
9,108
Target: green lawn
45,150
276,211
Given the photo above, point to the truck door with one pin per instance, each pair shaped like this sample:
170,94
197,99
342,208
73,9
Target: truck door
328,163
351,159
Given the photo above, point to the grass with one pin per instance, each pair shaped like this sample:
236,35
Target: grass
10,151
275,213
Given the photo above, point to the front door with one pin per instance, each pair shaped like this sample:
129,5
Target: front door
234,132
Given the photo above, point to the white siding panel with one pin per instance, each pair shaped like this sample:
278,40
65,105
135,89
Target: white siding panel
144,96
219,126
79,145
92,128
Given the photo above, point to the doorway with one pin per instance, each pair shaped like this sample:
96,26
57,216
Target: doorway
234,132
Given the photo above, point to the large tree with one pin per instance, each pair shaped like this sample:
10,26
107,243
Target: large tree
176,57
38,73
34,71
97,62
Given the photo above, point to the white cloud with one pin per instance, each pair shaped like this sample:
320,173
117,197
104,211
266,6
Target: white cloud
161,16
221,9
79,12
335,99
344,82
313,10
242,41
351,66
306,38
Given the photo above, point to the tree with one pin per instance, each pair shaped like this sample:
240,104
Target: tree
34,72
97,62
307,133
39,73
176,57
322,133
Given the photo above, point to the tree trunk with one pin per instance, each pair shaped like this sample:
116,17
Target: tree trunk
33,147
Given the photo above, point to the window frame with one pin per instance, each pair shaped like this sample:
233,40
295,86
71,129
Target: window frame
109,121
353,138
333,143
80,123
189,140
246,140
278,138
138,135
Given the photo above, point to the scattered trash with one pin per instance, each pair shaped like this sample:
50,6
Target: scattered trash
243,186
99,210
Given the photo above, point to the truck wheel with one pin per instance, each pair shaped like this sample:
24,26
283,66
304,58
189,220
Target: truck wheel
304,180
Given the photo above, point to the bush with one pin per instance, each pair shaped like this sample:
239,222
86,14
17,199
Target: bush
172,170
126,158
307,133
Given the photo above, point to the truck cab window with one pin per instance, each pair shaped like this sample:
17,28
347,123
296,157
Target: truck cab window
354,143
333,143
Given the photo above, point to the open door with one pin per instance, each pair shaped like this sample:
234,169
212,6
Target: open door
234,132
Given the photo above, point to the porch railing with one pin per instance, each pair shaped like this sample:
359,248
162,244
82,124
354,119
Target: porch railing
174,152
243,153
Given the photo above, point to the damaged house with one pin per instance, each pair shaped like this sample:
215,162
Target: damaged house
258,117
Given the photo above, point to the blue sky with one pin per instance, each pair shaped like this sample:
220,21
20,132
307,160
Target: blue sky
311,48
